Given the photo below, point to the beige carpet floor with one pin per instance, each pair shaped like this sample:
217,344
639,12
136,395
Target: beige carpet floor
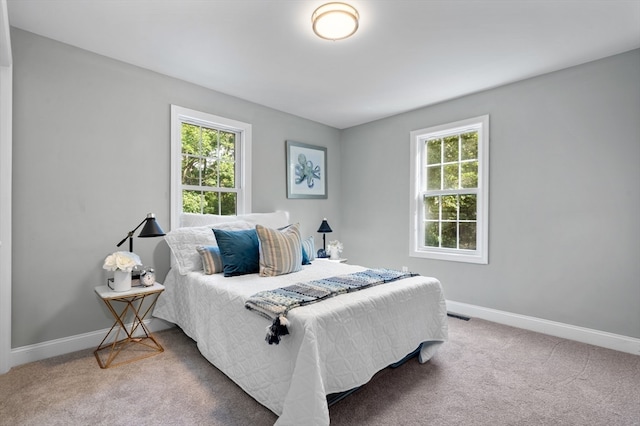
487,374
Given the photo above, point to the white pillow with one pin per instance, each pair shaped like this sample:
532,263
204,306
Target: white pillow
183,242
194,219
270,220
273,220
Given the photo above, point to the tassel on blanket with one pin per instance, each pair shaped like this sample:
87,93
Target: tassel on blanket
277,329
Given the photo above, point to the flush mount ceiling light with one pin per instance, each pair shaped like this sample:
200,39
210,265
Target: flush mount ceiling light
335,21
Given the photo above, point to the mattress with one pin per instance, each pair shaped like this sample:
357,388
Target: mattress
333,346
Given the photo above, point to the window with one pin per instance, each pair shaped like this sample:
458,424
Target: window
210,164
450,191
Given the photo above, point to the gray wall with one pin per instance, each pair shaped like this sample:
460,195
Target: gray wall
564,191
564,229
83,124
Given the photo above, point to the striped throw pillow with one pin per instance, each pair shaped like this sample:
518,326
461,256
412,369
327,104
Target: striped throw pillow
211,259
308,250
280,250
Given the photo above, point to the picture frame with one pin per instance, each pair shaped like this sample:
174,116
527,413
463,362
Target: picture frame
306,170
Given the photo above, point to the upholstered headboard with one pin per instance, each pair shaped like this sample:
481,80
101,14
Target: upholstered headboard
277,219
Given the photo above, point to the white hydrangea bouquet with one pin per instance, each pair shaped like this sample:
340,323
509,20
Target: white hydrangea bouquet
122,261
334,248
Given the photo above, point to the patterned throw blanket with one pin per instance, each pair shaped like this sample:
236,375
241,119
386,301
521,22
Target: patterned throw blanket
275,304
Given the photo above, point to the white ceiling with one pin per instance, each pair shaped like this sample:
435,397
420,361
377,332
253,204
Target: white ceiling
405,55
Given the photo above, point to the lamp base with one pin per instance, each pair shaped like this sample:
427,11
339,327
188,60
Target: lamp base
321,254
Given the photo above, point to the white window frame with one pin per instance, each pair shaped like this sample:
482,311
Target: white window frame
181,115
418,159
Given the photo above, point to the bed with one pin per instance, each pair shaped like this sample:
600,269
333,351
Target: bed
332,346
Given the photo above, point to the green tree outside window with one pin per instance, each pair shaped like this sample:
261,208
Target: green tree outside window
208,170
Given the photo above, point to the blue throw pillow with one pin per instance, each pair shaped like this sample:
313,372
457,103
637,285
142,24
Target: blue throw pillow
239,251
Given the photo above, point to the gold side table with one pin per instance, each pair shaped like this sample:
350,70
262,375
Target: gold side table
138,340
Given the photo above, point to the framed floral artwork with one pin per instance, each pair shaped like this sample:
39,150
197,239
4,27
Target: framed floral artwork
306,170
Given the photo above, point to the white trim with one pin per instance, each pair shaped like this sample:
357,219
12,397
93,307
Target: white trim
6,57
416,227
566,331
180,114
6,78
44,350
616,342
6,142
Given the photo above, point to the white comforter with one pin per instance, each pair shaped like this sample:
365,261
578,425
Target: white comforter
333,346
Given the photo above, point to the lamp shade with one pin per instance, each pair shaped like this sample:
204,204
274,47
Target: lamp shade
324,226
151,228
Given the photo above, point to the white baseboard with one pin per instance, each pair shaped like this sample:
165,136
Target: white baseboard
566,331
40,351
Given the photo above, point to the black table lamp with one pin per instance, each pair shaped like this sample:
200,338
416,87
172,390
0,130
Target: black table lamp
151,229
324,228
